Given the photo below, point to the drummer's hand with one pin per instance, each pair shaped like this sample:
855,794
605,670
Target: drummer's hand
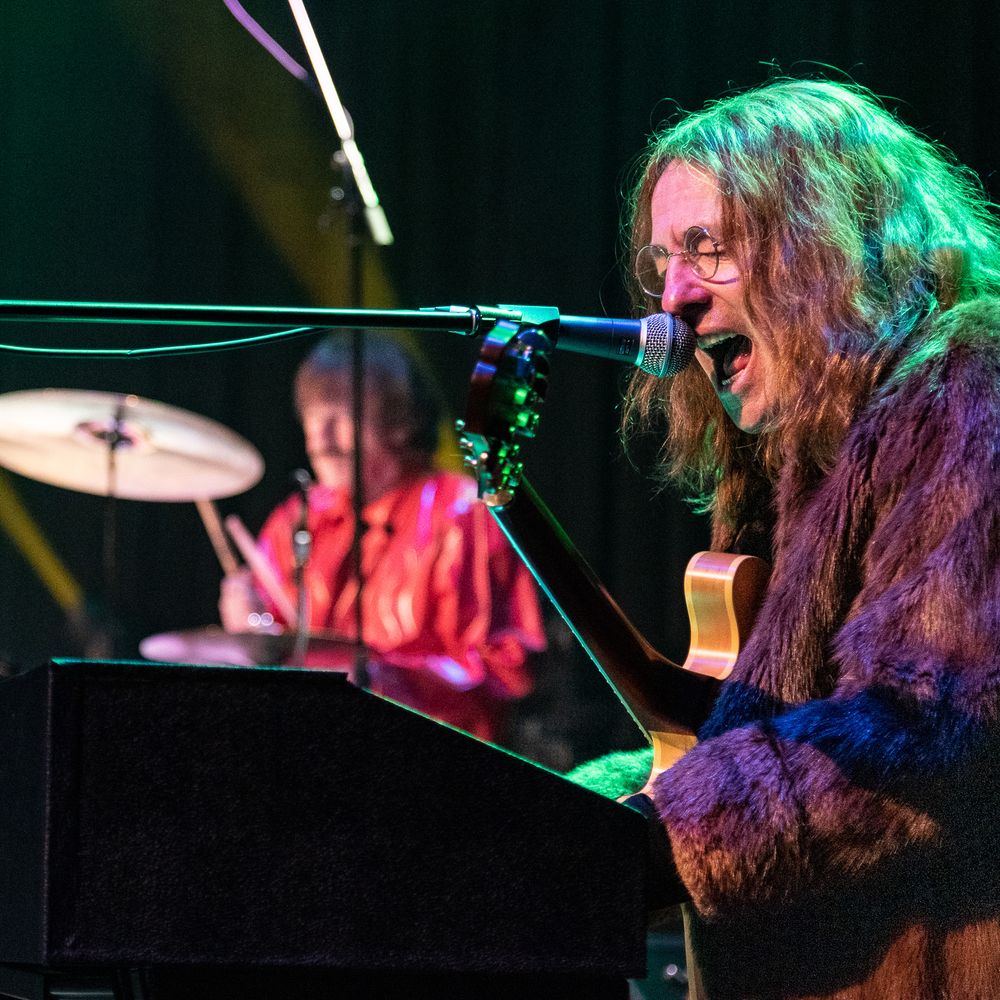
238,600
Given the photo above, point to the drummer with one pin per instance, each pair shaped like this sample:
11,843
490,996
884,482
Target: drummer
449,611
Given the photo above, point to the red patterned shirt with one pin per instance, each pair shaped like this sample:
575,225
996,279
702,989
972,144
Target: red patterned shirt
450,611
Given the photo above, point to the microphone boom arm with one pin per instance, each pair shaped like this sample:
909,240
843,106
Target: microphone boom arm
465,320
660,344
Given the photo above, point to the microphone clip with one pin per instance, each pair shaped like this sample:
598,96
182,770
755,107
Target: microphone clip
302,536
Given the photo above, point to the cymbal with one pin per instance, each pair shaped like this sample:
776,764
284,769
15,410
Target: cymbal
62,437
213,645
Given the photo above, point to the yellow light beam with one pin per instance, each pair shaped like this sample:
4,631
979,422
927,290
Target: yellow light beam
24,532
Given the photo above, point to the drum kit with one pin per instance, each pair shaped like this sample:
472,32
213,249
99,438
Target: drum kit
125,447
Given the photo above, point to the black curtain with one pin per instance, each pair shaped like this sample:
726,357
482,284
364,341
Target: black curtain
152,152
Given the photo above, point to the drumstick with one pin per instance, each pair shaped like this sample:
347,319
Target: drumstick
261,569
217,536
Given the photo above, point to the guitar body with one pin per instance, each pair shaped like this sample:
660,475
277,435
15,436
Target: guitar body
667,701
722,592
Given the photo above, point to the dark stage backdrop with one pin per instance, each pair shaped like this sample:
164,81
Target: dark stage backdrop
150,151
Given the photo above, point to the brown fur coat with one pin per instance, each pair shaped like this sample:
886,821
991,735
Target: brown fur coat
837,826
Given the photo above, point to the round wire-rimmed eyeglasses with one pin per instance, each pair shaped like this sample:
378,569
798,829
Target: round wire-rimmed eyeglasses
699,250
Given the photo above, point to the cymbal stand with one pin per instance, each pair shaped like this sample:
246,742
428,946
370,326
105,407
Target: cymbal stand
114,438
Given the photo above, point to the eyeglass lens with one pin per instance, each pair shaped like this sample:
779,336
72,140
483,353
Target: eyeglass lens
700,252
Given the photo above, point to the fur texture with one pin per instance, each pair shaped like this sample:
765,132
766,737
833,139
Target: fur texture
836,824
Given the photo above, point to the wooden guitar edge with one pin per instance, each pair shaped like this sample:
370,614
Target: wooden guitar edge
722,592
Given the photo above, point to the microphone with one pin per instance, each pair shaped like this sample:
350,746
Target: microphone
661,344
301,536
301,547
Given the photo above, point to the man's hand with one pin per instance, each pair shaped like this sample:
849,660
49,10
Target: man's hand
240,606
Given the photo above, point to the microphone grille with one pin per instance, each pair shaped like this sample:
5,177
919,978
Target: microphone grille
669,345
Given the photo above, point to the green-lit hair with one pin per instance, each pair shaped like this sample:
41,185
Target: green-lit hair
850,230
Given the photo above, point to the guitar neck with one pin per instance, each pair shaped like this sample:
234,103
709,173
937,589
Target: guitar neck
661,696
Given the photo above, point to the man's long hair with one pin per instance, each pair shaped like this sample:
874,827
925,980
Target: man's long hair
850,231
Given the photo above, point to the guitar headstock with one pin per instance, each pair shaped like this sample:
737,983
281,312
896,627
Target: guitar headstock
505,397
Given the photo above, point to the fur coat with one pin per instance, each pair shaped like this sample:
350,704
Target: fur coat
838,824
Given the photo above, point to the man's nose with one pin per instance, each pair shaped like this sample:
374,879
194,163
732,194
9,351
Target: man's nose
682,288
341,435
328,438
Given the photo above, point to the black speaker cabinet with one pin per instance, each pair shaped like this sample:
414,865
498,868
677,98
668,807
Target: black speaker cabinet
272,819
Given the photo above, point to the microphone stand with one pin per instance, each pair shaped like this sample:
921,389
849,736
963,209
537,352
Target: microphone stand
361,202
345,196
356,237
301,548
357,194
